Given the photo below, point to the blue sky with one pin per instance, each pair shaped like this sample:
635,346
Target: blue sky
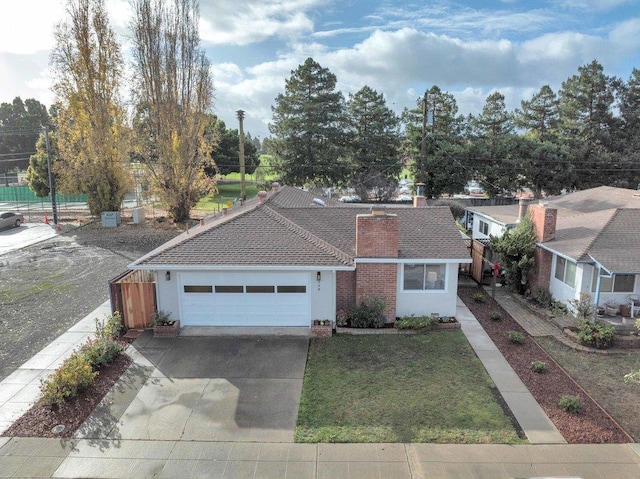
400,48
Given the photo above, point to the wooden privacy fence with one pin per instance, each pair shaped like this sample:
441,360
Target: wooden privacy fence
134,294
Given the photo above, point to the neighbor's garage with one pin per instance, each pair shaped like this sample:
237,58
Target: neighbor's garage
247,298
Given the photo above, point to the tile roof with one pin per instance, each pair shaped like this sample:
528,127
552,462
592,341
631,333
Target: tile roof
601,224
291,230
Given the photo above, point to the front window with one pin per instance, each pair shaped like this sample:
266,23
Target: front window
419,277
618,283
565,271
483,227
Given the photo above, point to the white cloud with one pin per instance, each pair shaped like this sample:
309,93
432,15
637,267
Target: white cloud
33,35
249,21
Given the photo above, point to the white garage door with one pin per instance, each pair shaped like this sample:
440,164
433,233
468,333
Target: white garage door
244,299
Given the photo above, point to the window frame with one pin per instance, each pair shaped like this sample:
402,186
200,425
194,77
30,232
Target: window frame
569,269
426,268
483,227
611,286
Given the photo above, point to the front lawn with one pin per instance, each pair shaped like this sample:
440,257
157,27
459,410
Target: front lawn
383,388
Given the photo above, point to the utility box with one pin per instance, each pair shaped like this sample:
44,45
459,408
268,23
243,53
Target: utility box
110,219
138,215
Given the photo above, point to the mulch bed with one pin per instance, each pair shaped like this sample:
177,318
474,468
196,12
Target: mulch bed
40,420
591,425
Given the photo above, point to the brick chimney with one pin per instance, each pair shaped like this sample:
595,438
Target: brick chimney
419,200
377,236
544,221
544,227
523,205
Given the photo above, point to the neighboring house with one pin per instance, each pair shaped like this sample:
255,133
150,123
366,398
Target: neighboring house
588,242
287,258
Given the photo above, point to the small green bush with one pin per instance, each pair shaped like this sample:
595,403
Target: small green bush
109,328
596,334
516,337
479,298
543,297
370,314
416,322
570,403
496,315
100,352
73,375
538,366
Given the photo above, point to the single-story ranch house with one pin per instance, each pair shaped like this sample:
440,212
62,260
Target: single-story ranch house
588,242
287,258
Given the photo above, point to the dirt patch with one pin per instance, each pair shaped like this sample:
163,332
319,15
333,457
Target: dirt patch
591,425
48,287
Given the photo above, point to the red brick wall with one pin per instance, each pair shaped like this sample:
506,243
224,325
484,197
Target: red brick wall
544,221
377,236
542,276
378,279
345,290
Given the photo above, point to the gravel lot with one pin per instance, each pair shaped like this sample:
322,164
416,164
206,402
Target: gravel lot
48,287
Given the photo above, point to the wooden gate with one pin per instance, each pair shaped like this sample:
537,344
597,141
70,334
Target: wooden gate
477,260
134,294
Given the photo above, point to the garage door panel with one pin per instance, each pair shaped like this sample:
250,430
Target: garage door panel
289,307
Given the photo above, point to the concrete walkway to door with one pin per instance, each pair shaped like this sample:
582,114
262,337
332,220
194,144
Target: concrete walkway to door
215,388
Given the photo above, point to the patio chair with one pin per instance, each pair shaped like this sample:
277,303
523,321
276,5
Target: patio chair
634,303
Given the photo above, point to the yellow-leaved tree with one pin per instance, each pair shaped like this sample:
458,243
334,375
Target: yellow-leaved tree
173,93
92,133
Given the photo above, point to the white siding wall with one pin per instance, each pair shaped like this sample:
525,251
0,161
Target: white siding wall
442,303
495,229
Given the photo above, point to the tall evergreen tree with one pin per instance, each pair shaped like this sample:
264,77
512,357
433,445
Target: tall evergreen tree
586,102
38,170
539,116
308,125
495,147
21,123
226,154
439,157
374,144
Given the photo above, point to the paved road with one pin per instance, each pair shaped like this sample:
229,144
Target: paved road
12,239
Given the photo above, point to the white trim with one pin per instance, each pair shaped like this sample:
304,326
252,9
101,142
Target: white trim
412,260
222,267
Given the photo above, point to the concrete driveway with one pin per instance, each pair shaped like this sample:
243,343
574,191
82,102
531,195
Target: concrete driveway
25,235
219,388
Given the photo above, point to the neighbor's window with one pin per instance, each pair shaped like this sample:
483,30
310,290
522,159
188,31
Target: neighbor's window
619,283
566,271
419,277
484,227
198,289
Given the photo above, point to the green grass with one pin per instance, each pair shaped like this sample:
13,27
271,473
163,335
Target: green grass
226,192
382,388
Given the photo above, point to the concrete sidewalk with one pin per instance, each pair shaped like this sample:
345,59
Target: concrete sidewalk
97,456
31,457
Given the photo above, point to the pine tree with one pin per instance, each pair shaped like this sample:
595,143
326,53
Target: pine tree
374,144
308,125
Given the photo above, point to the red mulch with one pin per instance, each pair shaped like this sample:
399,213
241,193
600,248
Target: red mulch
591,425
40,420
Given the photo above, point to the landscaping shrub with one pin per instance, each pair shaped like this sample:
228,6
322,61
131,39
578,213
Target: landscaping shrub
570,403
479,298
543,297
73,375
596,334
110,328
100,352
538,366
496,315
416,322
583,307
368,315
516,337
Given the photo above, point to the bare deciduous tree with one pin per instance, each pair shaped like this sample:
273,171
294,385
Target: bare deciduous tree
173,91
92,136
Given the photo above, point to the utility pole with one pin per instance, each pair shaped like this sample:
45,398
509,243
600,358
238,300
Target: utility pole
243,191
52,186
